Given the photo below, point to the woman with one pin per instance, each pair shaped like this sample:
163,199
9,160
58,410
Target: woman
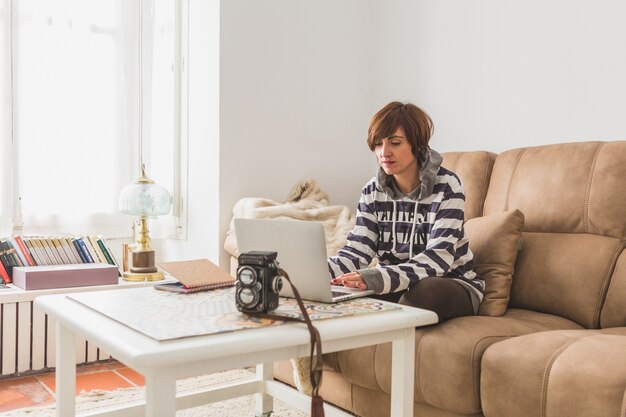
410,218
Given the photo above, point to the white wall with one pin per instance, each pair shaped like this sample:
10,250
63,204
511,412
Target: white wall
297,91
301,79
499,74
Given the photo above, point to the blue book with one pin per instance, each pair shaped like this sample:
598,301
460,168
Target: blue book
82,250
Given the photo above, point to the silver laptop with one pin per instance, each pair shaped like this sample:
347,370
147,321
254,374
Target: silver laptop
301,248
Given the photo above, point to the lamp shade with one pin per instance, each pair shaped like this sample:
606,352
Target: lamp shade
144,198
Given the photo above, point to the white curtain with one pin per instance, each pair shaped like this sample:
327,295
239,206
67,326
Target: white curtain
5,116
76,110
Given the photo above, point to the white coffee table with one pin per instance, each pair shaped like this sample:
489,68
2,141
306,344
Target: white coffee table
162,363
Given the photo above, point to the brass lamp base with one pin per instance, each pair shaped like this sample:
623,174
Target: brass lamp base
140,277
142,266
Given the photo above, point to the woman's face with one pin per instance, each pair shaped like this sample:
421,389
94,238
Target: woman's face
395,156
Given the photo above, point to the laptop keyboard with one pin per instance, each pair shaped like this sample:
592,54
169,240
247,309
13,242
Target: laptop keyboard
339,294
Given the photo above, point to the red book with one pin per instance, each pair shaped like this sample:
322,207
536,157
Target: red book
3,273
25,251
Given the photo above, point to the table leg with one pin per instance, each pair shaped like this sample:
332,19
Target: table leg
161,393
264,404
65,373
402,374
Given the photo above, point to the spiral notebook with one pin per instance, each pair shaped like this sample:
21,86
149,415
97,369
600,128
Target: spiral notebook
194,275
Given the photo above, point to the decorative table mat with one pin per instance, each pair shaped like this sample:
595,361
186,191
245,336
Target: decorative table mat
164,315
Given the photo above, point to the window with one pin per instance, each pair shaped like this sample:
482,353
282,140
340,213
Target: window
70,134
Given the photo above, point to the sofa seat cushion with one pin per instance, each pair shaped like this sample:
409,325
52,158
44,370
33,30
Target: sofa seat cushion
374,403
574,373
447,357
334,389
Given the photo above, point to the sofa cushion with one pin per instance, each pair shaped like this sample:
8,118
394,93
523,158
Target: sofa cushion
334,388
447,356
494,240
563,188
575,221
565,274
373,403
575,373
474,170
614,308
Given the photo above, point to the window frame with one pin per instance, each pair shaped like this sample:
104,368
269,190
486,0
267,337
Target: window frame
11,218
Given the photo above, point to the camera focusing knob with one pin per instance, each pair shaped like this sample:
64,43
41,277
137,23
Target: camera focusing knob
277,284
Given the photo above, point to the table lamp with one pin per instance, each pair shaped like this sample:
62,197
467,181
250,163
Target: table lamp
143,198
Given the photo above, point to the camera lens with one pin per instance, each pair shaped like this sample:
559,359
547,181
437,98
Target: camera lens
246,297
246,275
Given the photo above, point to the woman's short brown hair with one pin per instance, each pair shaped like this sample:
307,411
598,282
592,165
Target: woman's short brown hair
416,124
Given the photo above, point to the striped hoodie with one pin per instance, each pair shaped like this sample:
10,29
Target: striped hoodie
413,236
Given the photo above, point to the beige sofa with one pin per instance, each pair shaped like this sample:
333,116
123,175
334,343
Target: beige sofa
559,349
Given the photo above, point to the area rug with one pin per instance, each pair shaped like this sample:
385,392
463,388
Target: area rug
236,407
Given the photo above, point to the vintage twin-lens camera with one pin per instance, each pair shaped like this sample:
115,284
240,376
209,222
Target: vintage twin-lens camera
258,282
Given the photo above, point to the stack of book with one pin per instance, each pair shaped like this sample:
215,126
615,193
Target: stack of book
38,251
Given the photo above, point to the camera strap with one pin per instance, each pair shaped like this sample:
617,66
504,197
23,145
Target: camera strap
315,369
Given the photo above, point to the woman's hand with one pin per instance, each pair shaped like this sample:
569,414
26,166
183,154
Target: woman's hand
350,280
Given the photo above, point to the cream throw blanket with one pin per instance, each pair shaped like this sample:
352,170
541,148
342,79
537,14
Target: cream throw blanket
305,202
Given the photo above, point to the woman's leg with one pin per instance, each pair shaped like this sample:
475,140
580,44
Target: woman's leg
444,296
393,297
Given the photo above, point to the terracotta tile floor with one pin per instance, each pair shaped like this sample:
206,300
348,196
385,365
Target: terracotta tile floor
35,390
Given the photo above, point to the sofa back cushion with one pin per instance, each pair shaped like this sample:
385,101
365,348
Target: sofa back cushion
572,197
474,170
614,309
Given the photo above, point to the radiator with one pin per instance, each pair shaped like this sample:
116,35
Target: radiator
27,336
28,340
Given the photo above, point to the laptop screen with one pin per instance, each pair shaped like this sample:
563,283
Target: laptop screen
301,248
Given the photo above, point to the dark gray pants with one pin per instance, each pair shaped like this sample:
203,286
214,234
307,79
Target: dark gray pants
444,296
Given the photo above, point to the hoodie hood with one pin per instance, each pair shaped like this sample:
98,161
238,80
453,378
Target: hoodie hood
429,163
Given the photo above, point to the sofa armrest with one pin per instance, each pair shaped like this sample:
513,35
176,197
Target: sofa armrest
574,373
